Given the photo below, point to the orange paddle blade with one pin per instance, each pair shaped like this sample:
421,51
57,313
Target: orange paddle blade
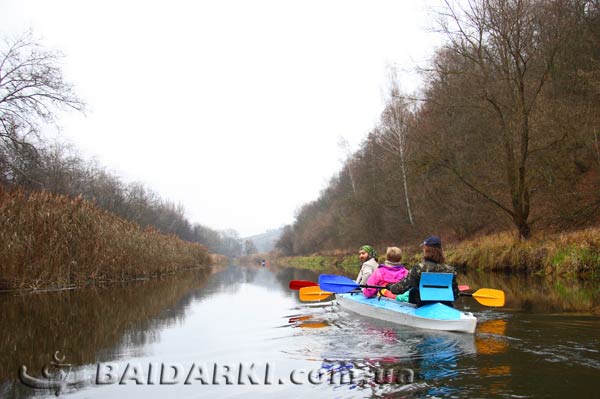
313,294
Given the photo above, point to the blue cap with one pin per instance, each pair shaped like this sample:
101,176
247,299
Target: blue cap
433,241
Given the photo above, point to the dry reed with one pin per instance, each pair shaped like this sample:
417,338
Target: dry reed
49,240
574,253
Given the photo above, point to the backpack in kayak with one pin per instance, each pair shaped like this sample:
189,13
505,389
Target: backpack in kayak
436,287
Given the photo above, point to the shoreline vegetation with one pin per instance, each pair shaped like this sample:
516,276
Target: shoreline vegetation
572,254
575,254
550,273
52,241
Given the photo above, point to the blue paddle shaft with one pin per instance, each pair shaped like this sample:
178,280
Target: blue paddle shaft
341,284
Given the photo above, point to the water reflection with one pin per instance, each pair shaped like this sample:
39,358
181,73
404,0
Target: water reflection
248,314
511,353
490,339
88,325
377,353
541,294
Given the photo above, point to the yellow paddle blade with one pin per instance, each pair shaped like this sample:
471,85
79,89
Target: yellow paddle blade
313,294
489,297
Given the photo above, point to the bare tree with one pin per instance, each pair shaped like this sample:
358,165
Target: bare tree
501,55
395,124
345,147
32,90
285,244
249,247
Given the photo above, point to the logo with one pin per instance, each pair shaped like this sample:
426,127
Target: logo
54,376
59,376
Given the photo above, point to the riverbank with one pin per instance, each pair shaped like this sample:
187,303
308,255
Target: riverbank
50,241
575,253
348,263
542,292
570,254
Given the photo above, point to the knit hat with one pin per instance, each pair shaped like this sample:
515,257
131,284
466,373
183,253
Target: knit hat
370,250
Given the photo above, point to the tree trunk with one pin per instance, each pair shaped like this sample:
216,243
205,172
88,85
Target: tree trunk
410,218
524,229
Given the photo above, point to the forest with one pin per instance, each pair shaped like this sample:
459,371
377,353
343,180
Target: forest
503,136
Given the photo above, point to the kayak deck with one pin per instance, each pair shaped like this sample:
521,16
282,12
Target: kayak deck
434,316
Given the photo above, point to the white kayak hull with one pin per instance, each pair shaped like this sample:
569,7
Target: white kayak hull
435,316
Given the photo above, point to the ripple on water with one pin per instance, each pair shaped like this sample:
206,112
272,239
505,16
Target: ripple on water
344,335
552,337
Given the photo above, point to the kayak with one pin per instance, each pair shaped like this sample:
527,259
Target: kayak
435,316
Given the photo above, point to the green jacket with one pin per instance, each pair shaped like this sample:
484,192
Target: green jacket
414,277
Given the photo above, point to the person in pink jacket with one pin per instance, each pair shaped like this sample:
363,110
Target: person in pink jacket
390,272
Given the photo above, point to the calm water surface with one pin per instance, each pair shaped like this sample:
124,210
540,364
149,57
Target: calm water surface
230,318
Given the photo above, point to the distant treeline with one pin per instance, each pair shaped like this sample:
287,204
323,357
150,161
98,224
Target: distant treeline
503,135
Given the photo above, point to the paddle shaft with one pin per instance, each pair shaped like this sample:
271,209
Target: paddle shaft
371,286
341,284
460,287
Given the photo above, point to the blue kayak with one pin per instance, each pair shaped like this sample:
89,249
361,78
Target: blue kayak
435,316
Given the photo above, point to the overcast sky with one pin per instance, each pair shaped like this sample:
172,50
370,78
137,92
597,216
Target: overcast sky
233,108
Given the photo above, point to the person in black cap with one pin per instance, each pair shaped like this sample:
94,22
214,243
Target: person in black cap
433,262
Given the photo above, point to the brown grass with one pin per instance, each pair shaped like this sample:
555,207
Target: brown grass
573,253
49,240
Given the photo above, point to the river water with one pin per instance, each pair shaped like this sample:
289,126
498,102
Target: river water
238,331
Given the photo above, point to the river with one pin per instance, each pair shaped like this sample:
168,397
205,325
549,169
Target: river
238,331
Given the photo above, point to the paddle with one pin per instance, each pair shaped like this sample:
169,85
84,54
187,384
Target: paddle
297,284
341,284
313,294
487,296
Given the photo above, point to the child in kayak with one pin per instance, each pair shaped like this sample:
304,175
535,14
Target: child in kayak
391,271
433,262
368,257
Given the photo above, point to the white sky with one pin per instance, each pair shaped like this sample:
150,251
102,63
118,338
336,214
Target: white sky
233,108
